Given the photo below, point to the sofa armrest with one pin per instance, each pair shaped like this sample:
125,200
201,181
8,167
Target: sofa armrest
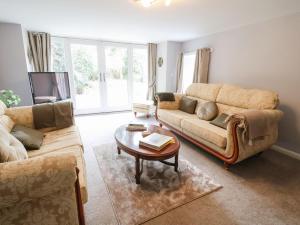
24,181
172,105
239,147
273,116
269,120
21,115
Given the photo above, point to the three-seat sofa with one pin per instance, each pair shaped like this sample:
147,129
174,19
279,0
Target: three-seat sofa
49,187
226,144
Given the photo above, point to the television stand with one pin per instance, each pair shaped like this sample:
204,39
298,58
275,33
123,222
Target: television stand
44,99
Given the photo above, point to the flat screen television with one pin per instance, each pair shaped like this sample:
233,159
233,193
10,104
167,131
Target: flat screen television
49,86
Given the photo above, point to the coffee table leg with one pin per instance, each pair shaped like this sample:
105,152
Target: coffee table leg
119,150
176,163
137,170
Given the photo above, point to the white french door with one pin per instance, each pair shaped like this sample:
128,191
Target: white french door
117,76
106,76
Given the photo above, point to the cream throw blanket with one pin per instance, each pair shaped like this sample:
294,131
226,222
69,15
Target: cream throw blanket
256,124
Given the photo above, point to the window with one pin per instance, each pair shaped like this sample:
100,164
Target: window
188,70
58,58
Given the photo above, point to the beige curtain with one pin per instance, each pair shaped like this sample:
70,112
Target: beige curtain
152,58
202,65
39,51
179,73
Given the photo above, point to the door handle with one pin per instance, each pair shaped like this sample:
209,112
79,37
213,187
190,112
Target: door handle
100,77
104,77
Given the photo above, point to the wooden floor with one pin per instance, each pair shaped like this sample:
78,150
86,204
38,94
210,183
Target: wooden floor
260,190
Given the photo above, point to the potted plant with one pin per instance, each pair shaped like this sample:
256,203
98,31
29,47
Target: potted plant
9,98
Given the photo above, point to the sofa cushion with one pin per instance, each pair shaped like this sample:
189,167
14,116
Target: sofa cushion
199,102
21,115
207,111
205,130
207,92
7,123
188,105
62,132
30,138
10,148
174,117
220,121
247,98
229,109
57,140
170,105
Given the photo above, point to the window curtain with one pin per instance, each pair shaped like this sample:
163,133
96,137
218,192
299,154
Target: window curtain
152,58
179,73
202,65
39,51
59,86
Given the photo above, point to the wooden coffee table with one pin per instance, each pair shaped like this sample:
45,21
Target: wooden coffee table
128,141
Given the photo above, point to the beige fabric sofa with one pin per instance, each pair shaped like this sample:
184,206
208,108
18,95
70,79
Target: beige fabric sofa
227,145
45,188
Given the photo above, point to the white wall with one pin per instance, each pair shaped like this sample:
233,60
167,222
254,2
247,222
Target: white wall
161,72
166,75
267,56
174,49
13,69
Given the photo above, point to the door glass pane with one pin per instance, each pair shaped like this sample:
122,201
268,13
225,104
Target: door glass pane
188,70
116,61
140,74
58,58
86,76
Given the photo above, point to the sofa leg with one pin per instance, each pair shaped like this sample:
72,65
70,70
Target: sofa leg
160,124
226,166
135,114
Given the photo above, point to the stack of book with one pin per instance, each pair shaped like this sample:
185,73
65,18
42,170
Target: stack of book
156,141
136,127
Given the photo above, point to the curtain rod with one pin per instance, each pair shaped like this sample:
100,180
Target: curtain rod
86,39
191,51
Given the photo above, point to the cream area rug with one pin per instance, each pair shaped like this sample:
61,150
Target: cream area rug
161,188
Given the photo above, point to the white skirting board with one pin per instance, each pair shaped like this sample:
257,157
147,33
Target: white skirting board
286,152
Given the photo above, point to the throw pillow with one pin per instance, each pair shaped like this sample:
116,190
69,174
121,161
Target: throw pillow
187,105
166,97
207,111
11,149
220,121
31,139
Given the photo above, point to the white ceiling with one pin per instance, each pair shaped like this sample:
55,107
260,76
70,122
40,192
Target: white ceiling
124,20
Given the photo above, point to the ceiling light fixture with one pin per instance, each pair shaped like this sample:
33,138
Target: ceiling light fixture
168,2
148,3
